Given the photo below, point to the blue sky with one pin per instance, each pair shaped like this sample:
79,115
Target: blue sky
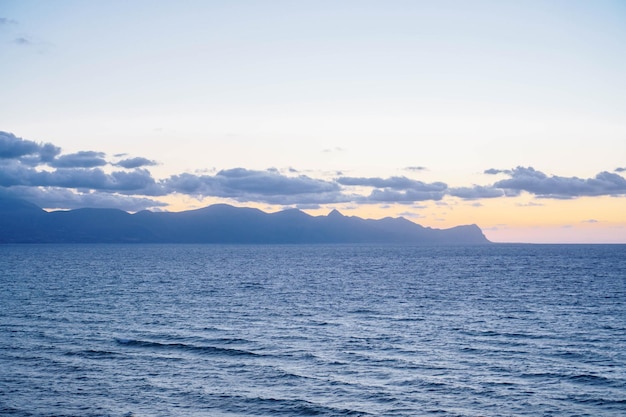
515,107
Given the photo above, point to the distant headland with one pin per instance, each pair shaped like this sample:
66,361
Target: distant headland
24,222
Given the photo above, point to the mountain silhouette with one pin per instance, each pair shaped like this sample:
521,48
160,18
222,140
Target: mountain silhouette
24,222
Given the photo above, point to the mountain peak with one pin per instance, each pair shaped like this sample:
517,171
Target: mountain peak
335,213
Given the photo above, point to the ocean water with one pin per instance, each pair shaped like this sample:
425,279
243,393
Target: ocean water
297,330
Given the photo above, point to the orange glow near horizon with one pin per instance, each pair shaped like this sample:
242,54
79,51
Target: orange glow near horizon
514,219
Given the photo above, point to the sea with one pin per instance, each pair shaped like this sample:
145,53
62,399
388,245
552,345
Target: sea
312,330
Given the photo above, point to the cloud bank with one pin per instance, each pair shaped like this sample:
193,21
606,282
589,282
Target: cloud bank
41,173
544,186
267,186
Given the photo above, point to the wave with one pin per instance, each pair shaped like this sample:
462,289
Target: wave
289,407
607,403
583,379
185,347
92,354
589,379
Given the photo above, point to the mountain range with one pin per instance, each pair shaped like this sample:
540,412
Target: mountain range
24,222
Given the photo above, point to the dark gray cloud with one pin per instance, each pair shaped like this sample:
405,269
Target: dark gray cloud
405,196
134,182
415,169
14,173
620,169
48,152
521,179
492,171
475,192
394,183
13,147
308,206
82,159
271,183
137,162
80,178
20,160
250,185
63,198
536,182
396,189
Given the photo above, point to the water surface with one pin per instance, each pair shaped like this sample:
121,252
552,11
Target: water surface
325,330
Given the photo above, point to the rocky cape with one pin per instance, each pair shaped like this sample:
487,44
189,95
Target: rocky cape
23,222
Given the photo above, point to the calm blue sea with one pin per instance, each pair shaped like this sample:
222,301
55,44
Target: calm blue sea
297,330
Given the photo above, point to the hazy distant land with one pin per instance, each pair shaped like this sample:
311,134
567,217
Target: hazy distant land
23,222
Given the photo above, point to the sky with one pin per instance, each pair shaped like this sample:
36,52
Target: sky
506,114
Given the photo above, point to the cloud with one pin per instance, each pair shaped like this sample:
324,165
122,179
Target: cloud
521,179
271,182
406,196
22,41
415,169
137,162
82,159
590,221
475,192
23,165
308,206
13,147
249,185
396,189
48,152
396,183
536,182
7,21
80,179
620,169
530,204
62,198
134,182
14,173
492,171
411,214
